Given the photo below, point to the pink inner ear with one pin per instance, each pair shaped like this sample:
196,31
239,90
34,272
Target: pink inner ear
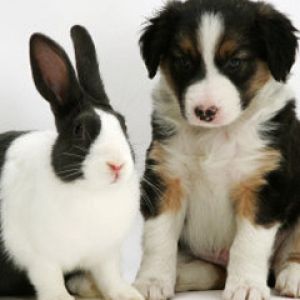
53,70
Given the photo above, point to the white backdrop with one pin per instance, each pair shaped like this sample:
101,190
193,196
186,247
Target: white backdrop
115,26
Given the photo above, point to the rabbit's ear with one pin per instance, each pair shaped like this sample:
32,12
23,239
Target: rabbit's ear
87,65
53,74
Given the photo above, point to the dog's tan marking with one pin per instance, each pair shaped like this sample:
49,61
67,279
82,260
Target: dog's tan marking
173,193
245,194
259,79
227,48
187,47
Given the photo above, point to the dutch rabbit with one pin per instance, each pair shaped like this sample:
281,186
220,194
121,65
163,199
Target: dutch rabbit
68,197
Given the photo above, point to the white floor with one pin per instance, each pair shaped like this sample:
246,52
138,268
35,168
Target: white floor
212,295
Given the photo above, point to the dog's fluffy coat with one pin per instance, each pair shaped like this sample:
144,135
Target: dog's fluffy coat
221,185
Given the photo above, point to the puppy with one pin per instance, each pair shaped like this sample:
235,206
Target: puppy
221,188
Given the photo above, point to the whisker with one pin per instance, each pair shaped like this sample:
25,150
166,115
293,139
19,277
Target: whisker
72,154
72,174
89,136
80,148
78,164
68,171
154,187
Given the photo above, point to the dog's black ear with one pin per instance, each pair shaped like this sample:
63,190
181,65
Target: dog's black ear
157,34
279,40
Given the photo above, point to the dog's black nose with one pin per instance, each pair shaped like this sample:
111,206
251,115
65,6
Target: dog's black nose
206,114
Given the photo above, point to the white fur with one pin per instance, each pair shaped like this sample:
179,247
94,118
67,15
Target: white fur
157,276
215,89
288,280
249,261
49,227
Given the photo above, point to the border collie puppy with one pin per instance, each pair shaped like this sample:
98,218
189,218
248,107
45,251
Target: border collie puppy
221,188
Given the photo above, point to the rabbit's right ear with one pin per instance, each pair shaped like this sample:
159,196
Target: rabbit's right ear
53,74
87,65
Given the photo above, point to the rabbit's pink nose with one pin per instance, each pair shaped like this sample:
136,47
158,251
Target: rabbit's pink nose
116,168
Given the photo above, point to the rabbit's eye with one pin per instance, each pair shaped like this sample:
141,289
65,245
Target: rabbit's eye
78,130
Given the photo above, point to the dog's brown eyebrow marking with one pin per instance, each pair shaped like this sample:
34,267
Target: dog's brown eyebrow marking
186,46
227,47
245,194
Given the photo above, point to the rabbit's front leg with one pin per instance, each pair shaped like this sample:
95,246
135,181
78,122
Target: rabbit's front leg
107,276
48,281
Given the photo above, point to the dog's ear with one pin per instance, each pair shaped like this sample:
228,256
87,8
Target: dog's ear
157,35
278,37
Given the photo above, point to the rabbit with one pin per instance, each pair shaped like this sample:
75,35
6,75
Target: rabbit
68,197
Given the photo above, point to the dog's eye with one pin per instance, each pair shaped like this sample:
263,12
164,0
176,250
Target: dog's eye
184,63
233,64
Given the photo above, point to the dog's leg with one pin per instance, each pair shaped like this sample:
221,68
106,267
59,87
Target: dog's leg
249,261
287,265
157,275
197,275
164,208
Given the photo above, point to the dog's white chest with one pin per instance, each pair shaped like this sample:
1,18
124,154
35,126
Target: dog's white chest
210,165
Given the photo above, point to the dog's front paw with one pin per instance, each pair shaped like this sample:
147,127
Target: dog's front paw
155,288
239,289
124,292
288,281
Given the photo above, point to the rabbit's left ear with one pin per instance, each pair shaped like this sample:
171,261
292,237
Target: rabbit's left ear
87,65
53,74
278,36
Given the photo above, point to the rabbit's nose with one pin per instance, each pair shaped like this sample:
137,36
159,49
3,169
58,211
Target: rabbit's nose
115,168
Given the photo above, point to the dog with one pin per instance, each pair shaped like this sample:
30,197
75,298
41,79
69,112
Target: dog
221,188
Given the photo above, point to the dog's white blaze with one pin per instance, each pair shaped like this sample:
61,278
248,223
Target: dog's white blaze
210,31
215,89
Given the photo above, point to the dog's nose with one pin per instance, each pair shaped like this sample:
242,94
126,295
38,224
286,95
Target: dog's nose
206,114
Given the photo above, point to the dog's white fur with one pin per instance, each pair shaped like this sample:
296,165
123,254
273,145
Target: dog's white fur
50,227
209,162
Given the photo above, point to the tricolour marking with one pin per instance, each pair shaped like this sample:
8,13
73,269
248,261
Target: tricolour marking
173,195
245,193
260,78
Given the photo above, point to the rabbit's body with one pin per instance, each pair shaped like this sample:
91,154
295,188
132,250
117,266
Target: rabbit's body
68,197
71,224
